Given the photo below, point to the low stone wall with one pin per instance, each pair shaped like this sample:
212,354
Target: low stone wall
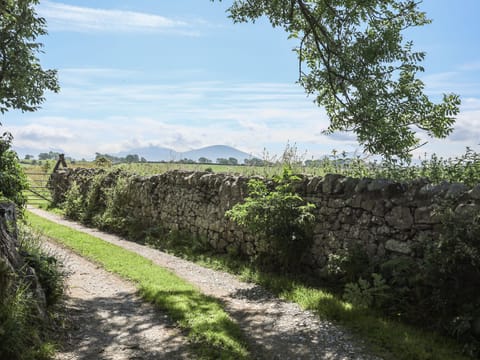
12,265
9,255
382,217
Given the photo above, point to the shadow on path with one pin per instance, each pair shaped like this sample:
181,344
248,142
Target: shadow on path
119,327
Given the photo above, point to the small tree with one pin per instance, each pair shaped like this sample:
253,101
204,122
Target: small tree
204,160
102,161
280,218
222,161
132,158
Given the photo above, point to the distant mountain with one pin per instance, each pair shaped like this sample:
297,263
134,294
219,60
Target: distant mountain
157,153
214,152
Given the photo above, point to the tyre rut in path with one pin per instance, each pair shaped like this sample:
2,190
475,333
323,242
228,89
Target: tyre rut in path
107,321
275,329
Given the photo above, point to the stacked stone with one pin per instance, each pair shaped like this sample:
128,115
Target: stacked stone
383,217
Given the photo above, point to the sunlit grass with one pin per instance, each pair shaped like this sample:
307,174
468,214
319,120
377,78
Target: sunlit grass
386,338
213,333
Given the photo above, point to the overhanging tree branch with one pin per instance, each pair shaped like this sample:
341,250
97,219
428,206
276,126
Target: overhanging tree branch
360,67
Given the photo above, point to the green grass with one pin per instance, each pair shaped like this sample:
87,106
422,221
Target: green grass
213,333
159,168
386,338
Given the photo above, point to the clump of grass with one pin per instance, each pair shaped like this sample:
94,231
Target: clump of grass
48,268
213,333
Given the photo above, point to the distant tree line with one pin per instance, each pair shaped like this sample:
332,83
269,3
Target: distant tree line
44,157
130,158
103,159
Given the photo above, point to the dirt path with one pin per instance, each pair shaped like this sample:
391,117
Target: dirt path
275,328
106,320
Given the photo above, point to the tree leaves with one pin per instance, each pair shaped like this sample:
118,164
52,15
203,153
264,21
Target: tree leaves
22,79
353,58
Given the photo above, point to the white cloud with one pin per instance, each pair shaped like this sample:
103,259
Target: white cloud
111,118
108,116
33,133
63,17
470,104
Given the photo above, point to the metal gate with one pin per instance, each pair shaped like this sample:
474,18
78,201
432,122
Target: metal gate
38,192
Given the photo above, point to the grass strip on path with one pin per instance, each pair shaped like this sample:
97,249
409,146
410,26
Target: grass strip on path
387,338
213,333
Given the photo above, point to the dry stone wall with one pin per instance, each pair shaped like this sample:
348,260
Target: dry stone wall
9,255
383,218
12,264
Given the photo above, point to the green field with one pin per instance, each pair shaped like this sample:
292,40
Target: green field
464,169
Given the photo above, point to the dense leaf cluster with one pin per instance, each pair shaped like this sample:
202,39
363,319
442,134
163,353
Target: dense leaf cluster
280,217
12,178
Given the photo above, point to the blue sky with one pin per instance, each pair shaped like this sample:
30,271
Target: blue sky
180,74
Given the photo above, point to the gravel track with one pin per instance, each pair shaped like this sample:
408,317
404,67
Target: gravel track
275,329
107,320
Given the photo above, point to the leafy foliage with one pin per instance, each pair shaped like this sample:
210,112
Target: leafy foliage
12,178
452,270
464,168
73,204
22,79
102,203
102,161
280,217
365,294
353,58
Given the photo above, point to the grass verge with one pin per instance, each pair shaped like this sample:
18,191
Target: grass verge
386,338
213,333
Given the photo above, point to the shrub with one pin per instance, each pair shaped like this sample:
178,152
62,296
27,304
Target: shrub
281,219
12,178
365,294
73,204
115,216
